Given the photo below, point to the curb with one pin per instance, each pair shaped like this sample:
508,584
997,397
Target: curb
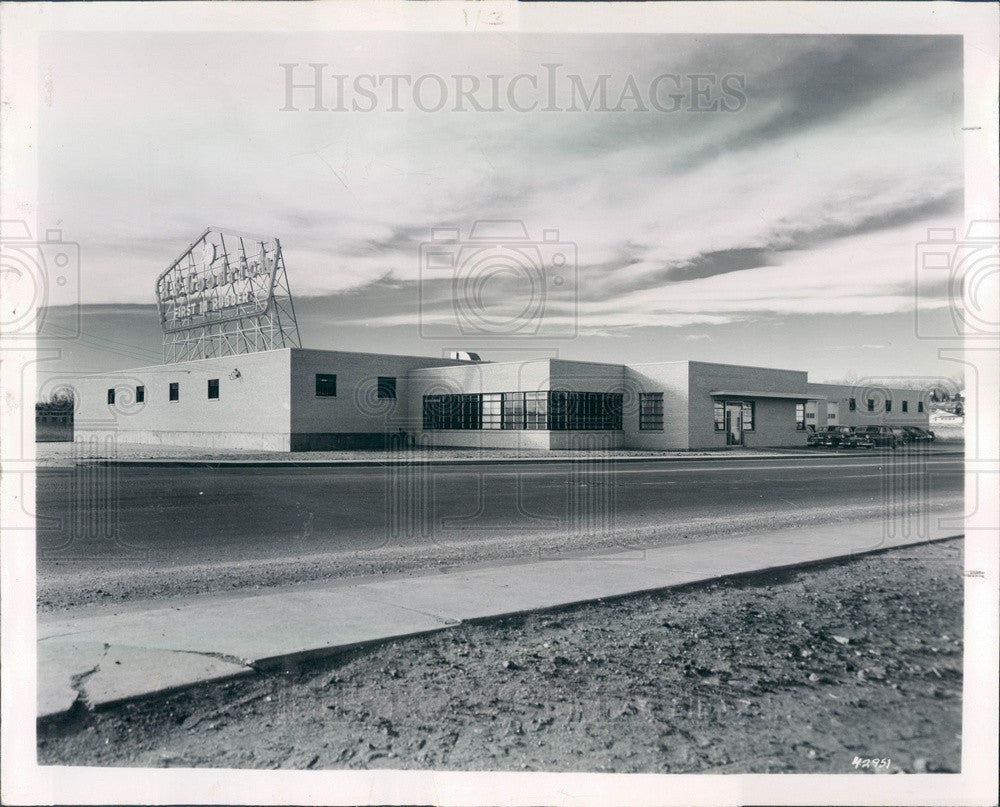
236,463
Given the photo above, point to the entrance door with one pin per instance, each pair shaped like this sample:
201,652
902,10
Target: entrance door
734,423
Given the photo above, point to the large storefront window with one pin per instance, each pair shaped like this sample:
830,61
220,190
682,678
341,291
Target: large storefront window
555,410
719,412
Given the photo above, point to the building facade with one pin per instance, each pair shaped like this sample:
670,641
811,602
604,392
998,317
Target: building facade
296,399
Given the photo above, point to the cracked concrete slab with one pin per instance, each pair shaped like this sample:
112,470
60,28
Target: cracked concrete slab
100,675
129,672
62,668
257,629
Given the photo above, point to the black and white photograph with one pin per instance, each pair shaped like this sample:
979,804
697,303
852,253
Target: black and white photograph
493,403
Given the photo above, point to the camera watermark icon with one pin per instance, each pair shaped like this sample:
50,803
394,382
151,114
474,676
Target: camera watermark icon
498,282
967,271
35,276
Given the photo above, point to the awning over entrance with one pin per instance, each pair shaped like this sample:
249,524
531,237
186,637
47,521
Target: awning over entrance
743,393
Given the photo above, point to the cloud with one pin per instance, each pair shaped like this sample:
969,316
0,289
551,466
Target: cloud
810,199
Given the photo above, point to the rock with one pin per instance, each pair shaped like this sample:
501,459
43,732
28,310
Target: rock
920,765
841,639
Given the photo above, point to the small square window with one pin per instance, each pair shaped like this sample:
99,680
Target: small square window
326,385
906,406
920,406
140,394
111,396
852,404
871,404
213,389
888,406
175,391
386,386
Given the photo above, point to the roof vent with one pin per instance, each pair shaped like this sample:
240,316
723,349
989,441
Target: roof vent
463,355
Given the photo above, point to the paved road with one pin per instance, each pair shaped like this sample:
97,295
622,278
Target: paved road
169,516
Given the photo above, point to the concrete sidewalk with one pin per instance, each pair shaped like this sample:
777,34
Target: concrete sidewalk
99,658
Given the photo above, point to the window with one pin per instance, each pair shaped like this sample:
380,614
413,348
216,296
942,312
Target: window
513,410
535,410
800,416
175,391
651,411
111,396
387,386
888,405
906,406
140,394
492,410
852,404
213,389
326,385
452,412
920,406
585,411
871,404
719,410
748,408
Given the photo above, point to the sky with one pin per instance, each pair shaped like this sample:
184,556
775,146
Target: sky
780,231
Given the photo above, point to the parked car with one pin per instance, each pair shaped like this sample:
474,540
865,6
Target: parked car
830,436
902,436
857,438
919,434
880,435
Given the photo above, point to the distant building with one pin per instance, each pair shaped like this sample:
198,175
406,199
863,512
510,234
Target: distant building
54,422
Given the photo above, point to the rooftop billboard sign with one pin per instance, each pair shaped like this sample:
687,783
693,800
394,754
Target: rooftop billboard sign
226,293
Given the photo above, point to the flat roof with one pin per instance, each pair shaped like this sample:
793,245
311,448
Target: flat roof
798,396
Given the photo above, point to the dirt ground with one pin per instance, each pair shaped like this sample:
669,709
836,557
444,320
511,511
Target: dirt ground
797,671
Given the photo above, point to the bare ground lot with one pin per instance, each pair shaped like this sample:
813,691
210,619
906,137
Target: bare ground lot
795,671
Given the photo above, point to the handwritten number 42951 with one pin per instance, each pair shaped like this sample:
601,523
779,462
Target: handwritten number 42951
867,762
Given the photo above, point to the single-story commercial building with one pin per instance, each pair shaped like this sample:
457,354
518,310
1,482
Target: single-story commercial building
294,399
